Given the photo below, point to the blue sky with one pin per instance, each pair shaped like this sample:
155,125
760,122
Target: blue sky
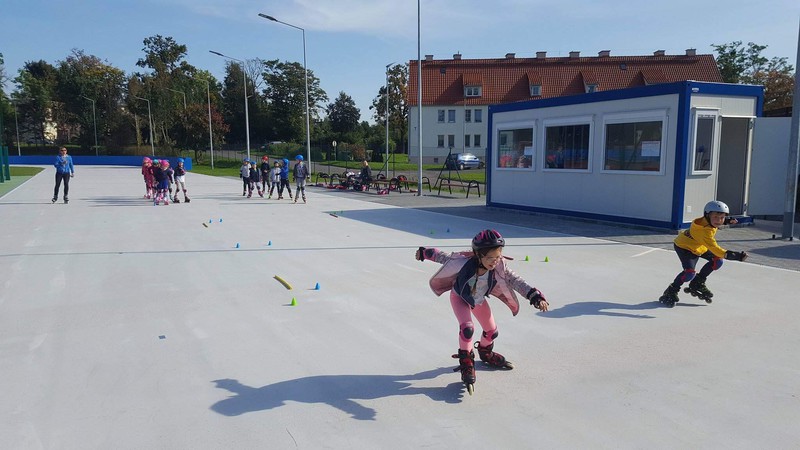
350,42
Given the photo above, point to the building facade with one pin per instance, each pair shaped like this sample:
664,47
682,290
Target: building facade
456,93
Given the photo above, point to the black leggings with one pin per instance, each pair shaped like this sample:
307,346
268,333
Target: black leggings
61,177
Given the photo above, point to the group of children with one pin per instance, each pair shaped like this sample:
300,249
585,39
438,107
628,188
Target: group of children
472,276
273,178
159,178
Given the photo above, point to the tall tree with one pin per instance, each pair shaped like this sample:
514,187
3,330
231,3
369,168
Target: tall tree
343,114
746,65
285,91
398,106
35,99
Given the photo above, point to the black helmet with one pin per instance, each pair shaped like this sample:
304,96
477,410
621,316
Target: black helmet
487,239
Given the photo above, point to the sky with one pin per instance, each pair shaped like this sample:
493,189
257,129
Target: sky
350,42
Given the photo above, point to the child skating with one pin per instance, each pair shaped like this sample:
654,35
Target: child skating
471,276
699,242
275,177
266,182
300,176
180,182
147,174
285,180
162,182
255,181
244,174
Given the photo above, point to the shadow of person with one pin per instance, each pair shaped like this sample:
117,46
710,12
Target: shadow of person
339,391
601,309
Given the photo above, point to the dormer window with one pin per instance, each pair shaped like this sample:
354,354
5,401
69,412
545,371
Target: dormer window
591,88
472,91
536,90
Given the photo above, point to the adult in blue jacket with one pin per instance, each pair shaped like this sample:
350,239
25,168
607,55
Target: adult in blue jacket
64,171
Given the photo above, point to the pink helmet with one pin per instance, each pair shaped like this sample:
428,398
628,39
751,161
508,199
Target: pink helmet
165,162
146,160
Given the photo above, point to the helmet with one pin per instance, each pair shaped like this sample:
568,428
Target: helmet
487,239
165,162
299,157
180,160
156,161
265,158
146,160
716,206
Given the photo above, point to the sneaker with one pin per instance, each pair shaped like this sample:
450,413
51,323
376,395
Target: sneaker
54,199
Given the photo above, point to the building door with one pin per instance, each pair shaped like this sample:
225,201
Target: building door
734,162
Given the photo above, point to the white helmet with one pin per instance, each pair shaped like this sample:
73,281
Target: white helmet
716,206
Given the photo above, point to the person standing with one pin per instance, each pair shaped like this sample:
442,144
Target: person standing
285,180
300,176
64,171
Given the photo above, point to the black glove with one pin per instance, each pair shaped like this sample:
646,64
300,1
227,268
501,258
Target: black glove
736,256
536,297
421,254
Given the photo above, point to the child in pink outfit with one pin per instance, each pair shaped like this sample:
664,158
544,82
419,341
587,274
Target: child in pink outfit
471,277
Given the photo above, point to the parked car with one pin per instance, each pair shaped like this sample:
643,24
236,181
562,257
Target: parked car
462,161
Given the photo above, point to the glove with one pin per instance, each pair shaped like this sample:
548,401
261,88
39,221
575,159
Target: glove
536,298
736,256
421,254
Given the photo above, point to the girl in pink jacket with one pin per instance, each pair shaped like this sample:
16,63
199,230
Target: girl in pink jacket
471,277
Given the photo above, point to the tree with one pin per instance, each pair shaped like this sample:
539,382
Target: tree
746,65
398,107
343,114
285,91
35,99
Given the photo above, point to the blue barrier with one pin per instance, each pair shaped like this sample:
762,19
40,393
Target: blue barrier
79,160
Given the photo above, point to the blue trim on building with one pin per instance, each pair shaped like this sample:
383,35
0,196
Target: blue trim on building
488,157
682,128
584,215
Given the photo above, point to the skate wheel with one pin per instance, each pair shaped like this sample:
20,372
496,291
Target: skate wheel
470,388
708,300
509,365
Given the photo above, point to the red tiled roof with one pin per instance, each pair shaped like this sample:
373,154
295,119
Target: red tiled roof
505,80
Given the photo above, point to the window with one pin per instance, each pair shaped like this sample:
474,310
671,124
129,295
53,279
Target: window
477,140
466,140
451,115
472,91
451,140
567,146
634,146
536,90
515,148
440,116
467,115
591,88
440,141
478,115
704,141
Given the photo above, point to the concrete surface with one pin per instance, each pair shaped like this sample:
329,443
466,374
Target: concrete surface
124,325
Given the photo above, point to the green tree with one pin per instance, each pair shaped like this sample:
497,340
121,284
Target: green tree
36,104
284,89
398,106
746,65
343,114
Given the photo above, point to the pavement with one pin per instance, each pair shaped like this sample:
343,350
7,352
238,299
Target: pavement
124,325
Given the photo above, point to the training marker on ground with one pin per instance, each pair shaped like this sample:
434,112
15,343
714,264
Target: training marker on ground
294,302
283,282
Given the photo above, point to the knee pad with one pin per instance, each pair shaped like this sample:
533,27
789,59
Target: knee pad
688,275
493,335
467,330
716,263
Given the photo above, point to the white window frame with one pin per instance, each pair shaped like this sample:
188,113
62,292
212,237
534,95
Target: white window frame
511,126
536,90
440,115
467,115
637,116
451,116
565,121
698,113
473,91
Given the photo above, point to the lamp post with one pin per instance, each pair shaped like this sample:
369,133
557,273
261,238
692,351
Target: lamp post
150,122
94,119
419,98
16,125
387,116
210,133
305,68
246,112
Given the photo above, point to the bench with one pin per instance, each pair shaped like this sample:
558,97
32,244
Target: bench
388,185
466,185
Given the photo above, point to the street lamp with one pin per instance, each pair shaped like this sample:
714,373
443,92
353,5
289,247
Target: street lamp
419,97
150,121
210,133
387,116
246,112
94,119
16,125
184,97
305,68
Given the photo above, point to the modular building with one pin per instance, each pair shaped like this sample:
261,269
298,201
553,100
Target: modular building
652,155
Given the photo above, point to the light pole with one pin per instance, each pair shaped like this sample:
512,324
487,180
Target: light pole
94,119
387,116
305,68
419,98
210,133
184,97
149,121
246,113
16,125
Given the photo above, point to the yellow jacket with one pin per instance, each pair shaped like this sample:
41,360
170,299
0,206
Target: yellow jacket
699,238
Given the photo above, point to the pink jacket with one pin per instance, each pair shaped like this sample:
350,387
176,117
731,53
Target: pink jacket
452,263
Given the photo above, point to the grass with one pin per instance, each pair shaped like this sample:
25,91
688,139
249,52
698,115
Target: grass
19,175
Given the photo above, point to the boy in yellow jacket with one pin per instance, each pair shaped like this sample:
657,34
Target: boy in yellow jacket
698,242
